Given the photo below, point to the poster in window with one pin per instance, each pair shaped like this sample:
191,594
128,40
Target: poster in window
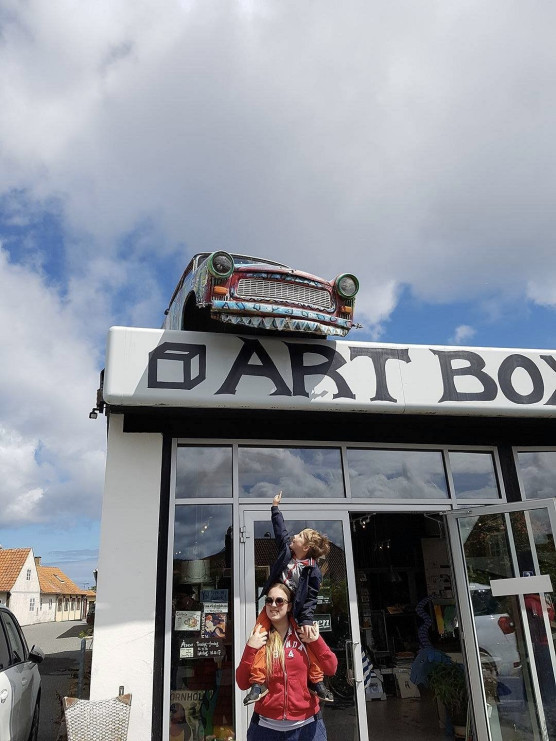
188,620
186,723
214,625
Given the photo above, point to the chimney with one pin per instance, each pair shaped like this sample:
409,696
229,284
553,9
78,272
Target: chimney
38,560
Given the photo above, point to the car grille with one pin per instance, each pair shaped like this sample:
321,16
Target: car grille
280,290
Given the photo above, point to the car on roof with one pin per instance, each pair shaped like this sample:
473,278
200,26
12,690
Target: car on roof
20,682
221,291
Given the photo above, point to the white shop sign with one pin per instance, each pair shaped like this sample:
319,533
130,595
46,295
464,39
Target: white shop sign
157,368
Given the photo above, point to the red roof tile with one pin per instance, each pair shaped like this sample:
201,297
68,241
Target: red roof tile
54,581
11,563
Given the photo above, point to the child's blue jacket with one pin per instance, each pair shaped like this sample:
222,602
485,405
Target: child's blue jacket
305,599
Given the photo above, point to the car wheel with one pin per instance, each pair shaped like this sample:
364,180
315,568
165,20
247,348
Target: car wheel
34,735
195,319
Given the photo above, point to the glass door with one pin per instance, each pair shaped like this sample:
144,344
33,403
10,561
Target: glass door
505,570
336,610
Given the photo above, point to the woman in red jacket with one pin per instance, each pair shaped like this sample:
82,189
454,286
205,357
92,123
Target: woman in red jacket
288,711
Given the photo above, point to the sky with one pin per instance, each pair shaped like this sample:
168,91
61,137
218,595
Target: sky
409,143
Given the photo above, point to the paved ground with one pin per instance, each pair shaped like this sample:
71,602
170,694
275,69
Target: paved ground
62,648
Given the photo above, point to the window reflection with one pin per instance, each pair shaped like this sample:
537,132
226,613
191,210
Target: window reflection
473,475
203,471
298,472
538,473
398,474
202,662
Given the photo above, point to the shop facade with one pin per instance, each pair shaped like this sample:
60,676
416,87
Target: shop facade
431,469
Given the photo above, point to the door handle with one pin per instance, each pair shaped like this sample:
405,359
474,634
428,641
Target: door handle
3,695
351,664
354,663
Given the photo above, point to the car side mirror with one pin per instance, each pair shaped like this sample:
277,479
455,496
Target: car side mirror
36,655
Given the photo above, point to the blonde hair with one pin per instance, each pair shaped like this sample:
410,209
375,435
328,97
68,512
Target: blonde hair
275,655
319,544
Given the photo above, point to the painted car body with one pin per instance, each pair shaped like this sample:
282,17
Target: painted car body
218,289
20,682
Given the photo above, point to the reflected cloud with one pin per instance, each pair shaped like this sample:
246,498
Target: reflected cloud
298,472
538,473
473,475
203,471
397,474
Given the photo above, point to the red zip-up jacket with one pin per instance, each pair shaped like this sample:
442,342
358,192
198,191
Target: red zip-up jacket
289,697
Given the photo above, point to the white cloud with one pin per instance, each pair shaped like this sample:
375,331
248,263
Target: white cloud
410,143
464,333
51,454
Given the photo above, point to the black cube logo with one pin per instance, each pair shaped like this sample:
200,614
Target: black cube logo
175,365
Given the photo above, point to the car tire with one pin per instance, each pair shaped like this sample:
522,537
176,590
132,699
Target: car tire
34,734
196,319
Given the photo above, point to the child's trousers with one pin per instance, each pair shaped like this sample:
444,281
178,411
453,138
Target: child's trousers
258,667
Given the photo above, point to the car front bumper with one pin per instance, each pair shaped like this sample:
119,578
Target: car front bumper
279,318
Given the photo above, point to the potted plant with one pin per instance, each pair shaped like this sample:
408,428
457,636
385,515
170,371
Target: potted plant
447,682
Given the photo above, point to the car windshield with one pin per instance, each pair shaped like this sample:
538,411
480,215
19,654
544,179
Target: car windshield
245,260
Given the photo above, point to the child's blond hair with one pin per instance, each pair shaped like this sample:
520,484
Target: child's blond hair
319,544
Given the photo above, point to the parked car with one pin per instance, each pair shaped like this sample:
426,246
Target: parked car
220,291
495,631
20,682
91,614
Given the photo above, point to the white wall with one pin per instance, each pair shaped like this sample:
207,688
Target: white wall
124,621
23,591
47,614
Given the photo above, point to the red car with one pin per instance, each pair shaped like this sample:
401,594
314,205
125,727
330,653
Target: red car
221,292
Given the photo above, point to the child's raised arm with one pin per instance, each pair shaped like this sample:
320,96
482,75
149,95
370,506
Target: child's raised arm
277,499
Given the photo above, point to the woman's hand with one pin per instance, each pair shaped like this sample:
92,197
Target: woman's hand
277,499
258,637
309,633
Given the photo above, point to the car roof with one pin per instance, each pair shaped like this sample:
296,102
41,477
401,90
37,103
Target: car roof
248,257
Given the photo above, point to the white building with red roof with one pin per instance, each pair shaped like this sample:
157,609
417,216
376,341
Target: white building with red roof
36,593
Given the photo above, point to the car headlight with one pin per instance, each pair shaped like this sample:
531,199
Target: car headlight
347,285
220,264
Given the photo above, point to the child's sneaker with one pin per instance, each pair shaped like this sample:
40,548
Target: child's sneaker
321,691
255,693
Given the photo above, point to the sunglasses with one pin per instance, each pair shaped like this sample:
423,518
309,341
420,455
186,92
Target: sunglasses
279,601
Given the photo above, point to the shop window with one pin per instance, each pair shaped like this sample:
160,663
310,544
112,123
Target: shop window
473,475
202,661
203,471
300,473
397,474
537,472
